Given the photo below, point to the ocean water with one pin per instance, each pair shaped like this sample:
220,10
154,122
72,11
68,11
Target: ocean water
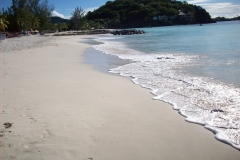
194,68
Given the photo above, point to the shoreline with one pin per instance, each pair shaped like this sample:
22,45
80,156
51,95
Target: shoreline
217,135
101,61
200,99
62,108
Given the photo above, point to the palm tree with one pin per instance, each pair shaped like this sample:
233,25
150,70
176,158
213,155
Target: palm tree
35,21
3,23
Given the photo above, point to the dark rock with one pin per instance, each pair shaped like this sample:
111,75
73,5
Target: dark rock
128,32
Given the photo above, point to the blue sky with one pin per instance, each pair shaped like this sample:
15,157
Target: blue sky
64,8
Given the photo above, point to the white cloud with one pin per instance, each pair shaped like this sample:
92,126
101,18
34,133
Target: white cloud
55,13
90,9
236,15
196,1
225,9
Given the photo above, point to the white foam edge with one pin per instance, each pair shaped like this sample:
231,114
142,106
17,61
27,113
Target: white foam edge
217,134
221,137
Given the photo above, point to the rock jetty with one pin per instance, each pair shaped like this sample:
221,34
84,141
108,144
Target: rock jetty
127,32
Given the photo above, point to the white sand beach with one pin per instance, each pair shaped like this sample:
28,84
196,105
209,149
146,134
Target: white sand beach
62,108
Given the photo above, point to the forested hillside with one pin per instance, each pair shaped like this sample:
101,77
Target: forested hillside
59,20
145,13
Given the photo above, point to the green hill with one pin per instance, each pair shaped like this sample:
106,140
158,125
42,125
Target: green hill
144,13
58,20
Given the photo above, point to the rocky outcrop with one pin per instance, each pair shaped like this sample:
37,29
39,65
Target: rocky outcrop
128,32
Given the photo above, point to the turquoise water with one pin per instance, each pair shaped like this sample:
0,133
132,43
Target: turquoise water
194,68
218,46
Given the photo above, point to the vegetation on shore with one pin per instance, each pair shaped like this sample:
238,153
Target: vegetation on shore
226,19
144,13
32,15
3,23
28,14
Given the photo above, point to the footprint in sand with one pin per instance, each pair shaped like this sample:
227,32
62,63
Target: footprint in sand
7,125
32,120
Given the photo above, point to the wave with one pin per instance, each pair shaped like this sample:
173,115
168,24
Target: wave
202,100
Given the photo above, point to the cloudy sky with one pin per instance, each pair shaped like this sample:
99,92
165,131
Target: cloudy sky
223,8
64,8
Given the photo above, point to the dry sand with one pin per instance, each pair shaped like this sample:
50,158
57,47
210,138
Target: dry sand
61,108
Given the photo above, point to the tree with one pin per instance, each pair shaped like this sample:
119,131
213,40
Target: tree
20,13
42,10
172,12
62,26
140,13
34,21
23,19
76,17
3,22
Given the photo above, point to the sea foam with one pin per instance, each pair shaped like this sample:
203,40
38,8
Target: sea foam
201,100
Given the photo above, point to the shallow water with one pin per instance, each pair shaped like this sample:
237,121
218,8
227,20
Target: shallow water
102,61
194,68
